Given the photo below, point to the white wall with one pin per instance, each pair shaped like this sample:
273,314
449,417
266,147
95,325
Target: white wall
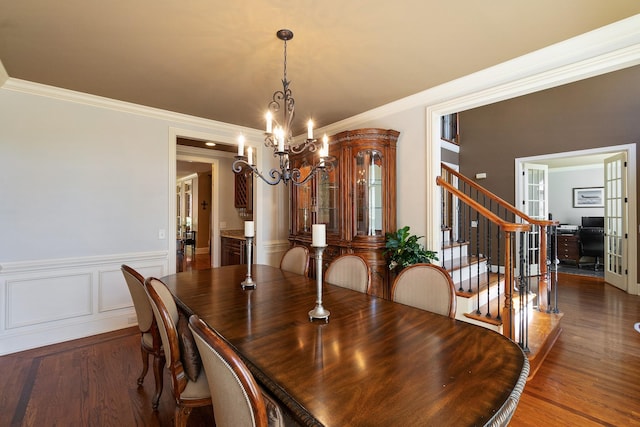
86,184
562,181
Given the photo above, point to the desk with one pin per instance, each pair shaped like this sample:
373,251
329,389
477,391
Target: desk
375,363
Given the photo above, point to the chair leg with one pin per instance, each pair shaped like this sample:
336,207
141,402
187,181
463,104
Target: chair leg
145,364
158,362
181,416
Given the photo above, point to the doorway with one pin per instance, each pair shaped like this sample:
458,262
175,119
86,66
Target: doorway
194,195
579,162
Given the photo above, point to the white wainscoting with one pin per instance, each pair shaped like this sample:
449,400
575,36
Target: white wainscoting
273,251
49,301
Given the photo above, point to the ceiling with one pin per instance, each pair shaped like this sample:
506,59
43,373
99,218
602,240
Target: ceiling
221,59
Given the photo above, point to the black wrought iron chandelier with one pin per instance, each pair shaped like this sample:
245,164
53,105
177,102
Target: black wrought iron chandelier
279,137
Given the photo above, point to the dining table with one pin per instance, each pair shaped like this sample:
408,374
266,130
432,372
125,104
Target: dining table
373,362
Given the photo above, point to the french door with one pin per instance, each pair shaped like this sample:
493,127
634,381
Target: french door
615,215
535,205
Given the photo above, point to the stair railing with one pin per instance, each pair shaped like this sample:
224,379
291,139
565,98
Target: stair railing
513,244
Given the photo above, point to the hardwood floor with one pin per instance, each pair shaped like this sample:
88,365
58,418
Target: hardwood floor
591,377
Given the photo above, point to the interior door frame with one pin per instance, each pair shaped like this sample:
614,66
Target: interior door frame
632,220
200,155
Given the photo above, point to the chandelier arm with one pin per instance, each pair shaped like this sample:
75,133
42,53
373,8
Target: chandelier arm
327,165
309,144
276,176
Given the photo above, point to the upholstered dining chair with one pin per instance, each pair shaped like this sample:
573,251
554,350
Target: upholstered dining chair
188,380
296,260
426,286
349,271
237,398
150,341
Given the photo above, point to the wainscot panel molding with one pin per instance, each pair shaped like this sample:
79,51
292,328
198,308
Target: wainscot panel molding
274,250
51,301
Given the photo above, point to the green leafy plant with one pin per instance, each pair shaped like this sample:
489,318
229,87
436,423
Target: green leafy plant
403,250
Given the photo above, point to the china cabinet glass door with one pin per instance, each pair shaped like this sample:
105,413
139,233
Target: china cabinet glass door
369,191
305,199
327,201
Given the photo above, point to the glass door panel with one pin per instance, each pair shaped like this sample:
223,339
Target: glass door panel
327,200
305,199
369,189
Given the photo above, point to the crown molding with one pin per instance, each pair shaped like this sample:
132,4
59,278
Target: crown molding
227,131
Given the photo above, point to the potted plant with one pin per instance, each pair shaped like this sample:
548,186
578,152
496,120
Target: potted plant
403,250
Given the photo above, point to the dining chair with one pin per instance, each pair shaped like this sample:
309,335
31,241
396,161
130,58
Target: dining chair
426,286
237,398
188,382
349,271
150,341
296,260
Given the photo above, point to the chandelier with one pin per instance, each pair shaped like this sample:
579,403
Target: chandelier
279,137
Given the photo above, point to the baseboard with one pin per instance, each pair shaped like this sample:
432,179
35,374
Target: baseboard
16,342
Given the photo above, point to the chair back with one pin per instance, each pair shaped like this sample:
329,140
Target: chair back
592,241
166,314
349,271
135,283
296,260
426,286
189,383
236,397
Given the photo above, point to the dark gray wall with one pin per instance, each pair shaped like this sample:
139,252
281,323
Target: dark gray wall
597,112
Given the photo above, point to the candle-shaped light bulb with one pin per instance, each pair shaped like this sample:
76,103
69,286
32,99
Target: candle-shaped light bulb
250,156
280,136
241,145
249,230
310,129
269,118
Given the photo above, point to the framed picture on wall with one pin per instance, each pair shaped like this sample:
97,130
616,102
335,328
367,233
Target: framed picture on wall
588,197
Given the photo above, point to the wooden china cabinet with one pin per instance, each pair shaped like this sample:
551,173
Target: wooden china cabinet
356,200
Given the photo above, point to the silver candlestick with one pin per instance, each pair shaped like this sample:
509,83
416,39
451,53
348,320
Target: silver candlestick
319,312
248,282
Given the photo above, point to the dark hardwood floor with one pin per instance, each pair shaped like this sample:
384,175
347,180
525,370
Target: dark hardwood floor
591,377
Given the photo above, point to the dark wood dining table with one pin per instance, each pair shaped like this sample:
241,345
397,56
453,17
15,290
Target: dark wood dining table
375,362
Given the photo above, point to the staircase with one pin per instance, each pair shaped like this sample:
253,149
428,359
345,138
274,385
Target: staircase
486,243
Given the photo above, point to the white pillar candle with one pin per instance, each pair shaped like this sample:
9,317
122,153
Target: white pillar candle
319,235
250,156
241,145
248,229
309,129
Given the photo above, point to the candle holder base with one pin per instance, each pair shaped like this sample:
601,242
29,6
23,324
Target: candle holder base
319,312
248,284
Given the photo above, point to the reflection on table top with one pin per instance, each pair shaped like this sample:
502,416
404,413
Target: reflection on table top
375,362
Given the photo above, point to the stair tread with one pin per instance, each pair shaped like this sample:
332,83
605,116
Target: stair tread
493,308
461,262
479,283
453,244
